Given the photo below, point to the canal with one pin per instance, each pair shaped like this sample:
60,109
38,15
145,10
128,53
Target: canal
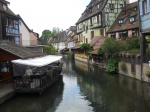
85,89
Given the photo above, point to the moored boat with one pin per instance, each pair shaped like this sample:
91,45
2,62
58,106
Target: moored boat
37,74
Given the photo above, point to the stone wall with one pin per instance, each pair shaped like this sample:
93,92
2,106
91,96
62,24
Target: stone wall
131,67
81,59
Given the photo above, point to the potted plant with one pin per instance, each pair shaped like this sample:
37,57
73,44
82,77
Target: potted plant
26,78
148,73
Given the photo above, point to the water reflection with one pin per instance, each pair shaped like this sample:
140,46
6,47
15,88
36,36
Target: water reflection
47,102
112,94
85,89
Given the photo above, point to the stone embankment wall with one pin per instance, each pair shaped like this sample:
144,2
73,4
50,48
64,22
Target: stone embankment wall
81,59
129,65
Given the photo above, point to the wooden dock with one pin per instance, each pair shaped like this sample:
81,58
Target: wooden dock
6,92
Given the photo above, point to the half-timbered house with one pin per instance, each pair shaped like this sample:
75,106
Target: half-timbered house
9,24
126,24
97,18
10,51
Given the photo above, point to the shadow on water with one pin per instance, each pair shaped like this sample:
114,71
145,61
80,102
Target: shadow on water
85,89
48,101
111,93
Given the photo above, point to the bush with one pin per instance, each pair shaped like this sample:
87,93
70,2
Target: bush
132,43
49,49
112,65
71,55
86,47
110,48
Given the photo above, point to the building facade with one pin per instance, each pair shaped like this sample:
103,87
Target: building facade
126,24
27,36
9,23
97,18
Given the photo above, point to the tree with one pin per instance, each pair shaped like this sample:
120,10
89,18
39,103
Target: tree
132,43
49,49
86,47
46,34
55,30
110,48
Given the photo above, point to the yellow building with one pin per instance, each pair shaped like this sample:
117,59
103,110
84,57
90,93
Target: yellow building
97,18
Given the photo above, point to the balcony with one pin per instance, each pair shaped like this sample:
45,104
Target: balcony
145,22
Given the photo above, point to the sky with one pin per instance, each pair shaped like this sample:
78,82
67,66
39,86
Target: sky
46,14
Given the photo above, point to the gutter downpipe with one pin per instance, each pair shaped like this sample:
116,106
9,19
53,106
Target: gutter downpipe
141,42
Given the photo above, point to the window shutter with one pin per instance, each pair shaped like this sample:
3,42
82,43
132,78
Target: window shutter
141,9
148,5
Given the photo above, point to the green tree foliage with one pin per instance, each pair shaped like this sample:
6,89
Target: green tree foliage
86,47
71,55
46,34
49,49
110,48
132,43
55,31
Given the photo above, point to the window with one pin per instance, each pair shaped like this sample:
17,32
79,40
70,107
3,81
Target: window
123,34
134,32
92,34
113,35
91,22
129,11
10,22
145,6
111,6
94,20
17,40
101,31
135,8
132,19
97,6
86,40
4,66
4,6
6,21
120,21
121,6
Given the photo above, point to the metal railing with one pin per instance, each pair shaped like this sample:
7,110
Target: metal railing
36,83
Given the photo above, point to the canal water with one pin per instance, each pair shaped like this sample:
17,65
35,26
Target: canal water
85,89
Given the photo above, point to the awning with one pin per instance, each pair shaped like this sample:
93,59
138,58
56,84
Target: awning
39,61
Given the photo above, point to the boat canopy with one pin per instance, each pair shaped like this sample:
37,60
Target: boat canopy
39,61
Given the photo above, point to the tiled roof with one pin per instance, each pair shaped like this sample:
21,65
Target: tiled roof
18,50
97,41
59,37
94,51
92,9
8,10
127,11
72,28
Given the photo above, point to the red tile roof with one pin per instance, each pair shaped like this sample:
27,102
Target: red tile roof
127,11
97,41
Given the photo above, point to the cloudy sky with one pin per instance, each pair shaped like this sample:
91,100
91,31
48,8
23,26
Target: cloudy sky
46,14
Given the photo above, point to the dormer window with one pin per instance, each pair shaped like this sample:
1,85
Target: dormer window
97,6
135,8
111,6
121,6
132,19
120,21
129,10
4,6
123,12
